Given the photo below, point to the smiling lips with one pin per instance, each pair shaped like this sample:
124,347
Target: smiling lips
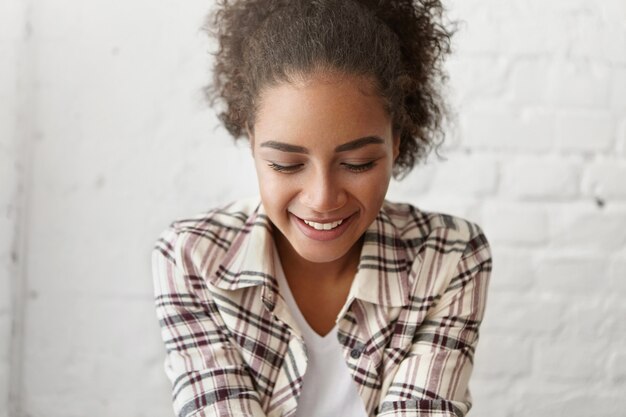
323,226
323,231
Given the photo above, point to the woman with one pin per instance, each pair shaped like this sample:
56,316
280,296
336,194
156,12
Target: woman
322,298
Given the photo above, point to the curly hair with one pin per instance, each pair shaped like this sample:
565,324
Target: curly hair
400,44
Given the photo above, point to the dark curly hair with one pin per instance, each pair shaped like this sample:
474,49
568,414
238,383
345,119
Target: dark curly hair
399,44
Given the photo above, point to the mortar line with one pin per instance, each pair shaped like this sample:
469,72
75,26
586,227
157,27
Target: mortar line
26,118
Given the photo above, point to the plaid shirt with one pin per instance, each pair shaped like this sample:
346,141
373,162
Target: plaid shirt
408,330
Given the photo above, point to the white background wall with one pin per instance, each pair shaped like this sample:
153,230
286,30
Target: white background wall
104,139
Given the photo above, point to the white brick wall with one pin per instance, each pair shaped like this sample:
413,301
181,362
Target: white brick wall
106,139
12,31
540,96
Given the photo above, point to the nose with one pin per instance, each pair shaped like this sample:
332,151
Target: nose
323,193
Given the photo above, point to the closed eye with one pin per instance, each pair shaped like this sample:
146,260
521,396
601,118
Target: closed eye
359,167
284,168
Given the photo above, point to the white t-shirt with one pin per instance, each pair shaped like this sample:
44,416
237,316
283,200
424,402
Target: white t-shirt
328,388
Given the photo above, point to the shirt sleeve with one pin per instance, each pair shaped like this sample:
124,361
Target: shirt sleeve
207,374
432,380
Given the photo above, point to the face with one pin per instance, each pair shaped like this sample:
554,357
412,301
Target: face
324,151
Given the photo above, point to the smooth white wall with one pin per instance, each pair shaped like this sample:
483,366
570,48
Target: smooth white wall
111,141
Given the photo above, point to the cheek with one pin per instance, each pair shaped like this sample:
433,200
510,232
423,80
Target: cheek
369,192
275,191
373,186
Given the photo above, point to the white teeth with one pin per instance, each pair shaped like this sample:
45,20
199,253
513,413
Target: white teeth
323,226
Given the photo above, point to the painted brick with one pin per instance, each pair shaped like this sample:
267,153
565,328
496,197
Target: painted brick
526,313
474,40
571,274
615,319
512,269
586,227
479,178
418,182
11,20
598,37
585,131
543,33
513,224
605,179
94,350
5,331
556,360
11,32
527,82
541,178
477,77
8,185
618,97
617,367
500,356
614,10
579,84
507,129
572,403
617,272
492,397
539,394
8,97
621,142
613,15
586,316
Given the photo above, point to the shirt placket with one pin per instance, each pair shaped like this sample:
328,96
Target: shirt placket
288,386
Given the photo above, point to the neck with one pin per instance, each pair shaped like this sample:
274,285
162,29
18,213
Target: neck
295,266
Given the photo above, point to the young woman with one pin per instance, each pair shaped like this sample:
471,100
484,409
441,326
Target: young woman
322,298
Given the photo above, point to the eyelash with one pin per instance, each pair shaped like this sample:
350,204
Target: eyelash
283,168
351,167
361,167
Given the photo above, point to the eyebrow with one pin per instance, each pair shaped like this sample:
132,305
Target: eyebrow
284,147
359,143
348,146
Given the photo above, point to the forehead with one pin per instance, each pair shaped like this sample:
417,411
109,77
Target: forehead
330,108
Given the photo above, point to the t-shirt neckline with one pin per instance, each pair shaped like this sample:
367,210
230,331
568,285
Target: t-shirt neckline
308,333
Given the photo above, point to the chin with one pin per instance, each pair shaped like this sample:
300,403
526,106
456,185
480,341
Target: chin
321,256
324,252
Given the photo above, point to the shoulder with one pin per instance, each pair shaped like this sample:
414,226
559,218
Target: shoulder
419,228
221,221
208,232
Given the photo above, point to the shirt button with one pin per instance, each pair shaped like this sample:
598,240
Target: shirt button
355,353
